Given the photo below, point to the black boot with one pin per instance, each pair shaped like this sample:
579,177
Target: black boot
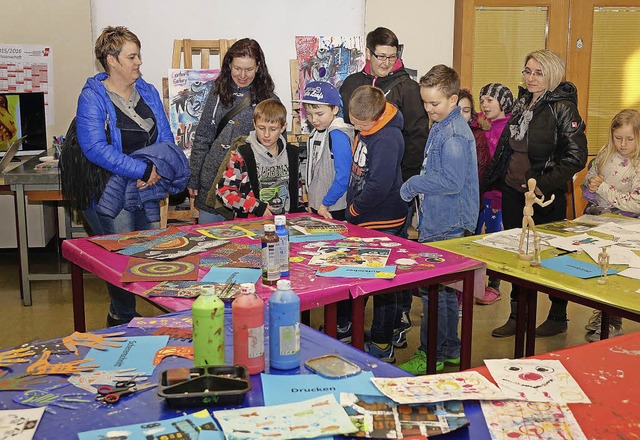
556,322
509,328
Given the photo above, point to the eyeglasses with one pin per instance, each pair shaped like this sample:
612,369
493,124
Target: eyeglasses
536,74
391,58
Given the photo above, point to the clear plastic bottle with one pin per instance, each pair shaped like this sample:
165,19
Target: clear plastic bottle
284,328
208,330
248,329
283,244
270,266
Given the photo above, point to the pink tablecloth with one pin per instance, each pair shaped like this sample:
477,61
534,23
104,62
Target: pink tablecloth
314,291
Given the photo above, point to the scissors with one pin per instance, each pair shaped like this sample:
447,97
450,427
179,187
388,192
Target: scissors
108,394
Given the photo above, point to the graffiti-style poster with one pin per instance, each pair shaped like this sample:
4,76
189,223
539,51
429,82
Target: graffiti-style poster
188,90
329,59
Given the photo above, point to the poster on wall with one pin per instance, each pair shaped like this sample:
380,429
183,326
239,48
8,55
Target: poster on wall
329,59
28,69
188,91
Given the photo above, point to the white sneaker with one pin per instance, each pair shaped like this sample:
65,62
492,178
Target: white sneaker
613,332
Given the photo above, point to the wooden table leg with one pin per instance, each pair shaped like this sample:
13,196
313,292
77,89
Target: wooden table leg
331,319
357,322
532,306
466,330
77,295
521,322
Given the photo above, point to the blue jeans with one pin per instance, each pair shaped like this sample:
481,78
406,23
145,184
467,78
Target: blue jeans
123,303
208,217
448,340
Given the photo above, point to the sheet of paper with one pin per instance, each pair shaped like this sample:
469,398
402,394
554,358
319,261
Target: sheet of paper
323,236
509,240
321,416
135,352
278,389
576,268
20,424
632,272
162,321
617,254
188,426
466,385
237,275
386,272
513,419
576,242
536,380
350,256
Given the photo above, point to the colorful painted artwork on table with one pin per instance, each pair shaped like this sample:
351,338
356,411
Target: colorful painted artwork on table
466,385
87,380
328,59
20,424
47,398
350,256
181,334
136,352
99,341
514,419
312,225
42,366
380,417
509,240
19,382
192,426
55,346
188,91
183,351
170,233
192,289
575,243
306,419
221,232
385,273
234,255
568,227
16,356
536,380
178,247
140,269
162,321
115,242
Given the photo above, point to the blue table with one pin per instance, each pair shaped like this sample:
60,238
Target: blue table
146,406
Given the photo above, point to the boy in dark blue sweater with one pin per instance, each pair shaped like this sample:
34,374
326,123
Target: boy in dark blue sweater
373,196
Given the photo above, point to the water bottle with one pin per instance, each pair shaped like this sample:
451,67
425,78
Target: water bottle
283,244
270,265
248,329
284,327
208,330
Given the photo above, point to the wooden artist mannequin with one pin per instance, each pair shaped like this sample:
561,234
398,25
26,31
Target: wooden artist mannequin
603,262
530,198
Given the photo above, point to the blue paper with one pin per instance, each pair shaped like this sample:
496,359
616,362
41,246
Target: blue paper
386,272
278,389
238,275
135,352
177,427
324,236
571,266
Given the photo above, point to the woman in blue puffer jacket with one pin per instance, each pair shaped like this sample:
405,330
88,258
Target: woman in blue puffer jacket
118,114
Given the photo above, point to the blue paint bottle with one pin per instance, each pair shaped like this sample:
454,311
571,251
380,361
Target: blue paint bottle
284,327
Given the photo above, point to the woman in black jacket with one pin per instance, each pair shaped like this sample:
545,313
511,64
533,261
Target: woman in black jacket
544,140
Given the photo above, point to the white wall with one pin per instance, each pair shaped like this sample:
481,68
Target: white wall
425,27
273,24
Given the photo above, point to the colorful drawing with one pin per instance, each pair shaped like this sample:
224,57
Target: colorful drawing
20,424
380,417
21,382
225,232
184,351
192,426
182,334
536,380
115,242
16,356
329,59
99,341
512,419
189,289
86,381
385,272
47,398
350,256
467,385
234,255
178,247
42,366
162,321
307,419
188,90
140,269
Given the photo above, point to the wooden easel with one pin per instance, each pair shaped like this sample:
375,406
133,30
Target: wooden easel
183,52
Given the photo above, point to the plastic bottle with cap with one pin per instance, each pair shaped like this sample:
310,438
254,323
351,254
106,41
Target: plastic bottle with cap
248,329
208,330
270,265
284,327
283,244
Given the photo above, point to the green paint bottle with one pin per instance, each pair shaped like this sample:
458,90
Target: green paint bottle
208,330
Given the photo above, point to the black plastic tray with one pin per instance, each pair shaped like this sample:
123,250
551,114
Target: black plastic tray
208,386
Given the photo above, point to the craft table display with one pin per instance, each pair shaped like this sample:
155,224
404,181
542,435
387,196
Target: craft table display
605,371
618,296
417,265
